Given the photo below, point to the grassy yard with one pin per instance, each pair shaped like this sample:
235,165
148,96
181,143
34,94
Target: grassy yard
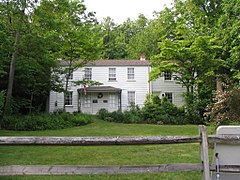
106,155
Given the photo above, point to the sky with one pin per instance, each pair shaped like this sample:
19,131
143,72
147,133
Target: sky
120,10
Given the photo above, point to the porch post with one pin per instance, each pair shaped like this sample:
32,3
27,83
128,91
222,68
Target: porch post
79,100
120,100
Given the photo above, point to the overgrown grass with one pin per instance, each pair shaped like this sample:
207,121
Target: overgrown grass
106,155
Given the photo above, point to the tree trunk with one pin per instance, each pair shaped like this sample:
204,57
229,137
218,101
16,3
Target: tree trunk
7,108
219,85
66,85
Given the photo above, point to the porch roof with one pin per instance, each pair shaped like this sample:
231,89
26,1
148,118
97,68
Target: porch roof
101,89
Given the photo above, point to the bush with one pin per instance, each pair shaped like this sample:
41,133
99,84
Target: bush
103,114
225,109
131,116
44,121
155,111
162,111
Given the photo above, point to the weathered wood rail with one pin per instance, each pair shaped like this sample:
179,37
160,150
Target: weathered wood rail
203,139
96,141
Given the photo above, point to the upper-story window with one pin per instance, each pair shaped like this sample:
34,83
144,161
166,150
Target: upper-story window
168,75
130,73
88,74
68,98
112,74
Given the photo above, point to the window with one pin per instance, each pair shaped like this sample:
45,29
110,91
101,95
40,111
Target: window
105,101
112,74
95,101
68,98
167,75
112,100
88,74
87,102
130,73
131,97
169,96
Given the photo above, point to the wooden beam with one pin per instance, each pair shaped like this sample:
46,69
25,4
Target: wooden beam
137,140
90,141
204,153
224,139
75,170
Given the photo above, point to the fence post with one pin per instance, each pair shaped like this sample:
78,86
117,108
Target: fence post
204,152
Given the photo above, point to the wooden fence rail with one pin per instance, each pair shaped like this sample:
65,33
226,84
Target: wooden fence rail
203,139
93,141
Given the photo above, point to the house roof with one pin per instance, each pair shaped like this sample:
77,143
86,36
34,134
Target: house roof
119,63
112,63
101,89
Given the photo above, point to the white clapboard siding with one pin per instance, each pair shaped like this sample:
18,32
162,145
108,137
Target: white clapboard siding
140,85
161,86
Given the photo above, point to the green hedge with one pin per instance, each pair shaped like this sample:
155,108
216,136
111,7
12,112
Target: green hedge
155,111
131,116
44,121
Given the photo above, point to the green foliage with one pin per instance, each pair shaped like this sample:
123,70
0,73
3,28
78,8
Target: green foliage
155,111
162,111
47,30
197,40
44,121
131,116
225,109
103,113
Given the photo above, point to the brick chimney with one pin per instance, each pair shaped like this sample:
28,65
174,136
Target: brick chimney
142,57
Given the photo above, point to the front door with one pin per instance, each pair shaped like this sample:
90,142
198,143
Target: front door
95,101
99,101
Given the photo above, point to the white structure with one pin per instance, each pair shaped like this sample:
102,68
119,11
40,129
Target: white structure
226,154
124,82
167,86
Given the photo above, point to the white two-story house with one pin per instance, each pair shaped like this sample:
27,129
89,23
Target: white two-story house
123,82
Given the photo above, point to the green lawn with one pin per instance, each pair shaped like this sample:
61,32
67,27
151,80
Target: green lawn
106,155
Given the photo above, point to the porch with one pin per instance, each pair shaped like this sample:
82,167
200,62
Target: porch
92,99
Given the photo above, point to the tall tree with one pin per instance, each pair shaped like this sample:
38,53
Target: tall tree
77,34
188,49
113,40
49,31
14,15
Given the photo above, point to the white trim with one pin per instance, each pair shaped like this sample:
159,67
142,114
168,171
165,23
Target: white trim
129,74
112,76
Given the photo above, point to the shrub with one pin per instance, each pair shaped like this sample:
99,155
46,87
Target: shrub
59,111
103,114
133,117
44,121
82,119
162,111
225,109
117,116
155,111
